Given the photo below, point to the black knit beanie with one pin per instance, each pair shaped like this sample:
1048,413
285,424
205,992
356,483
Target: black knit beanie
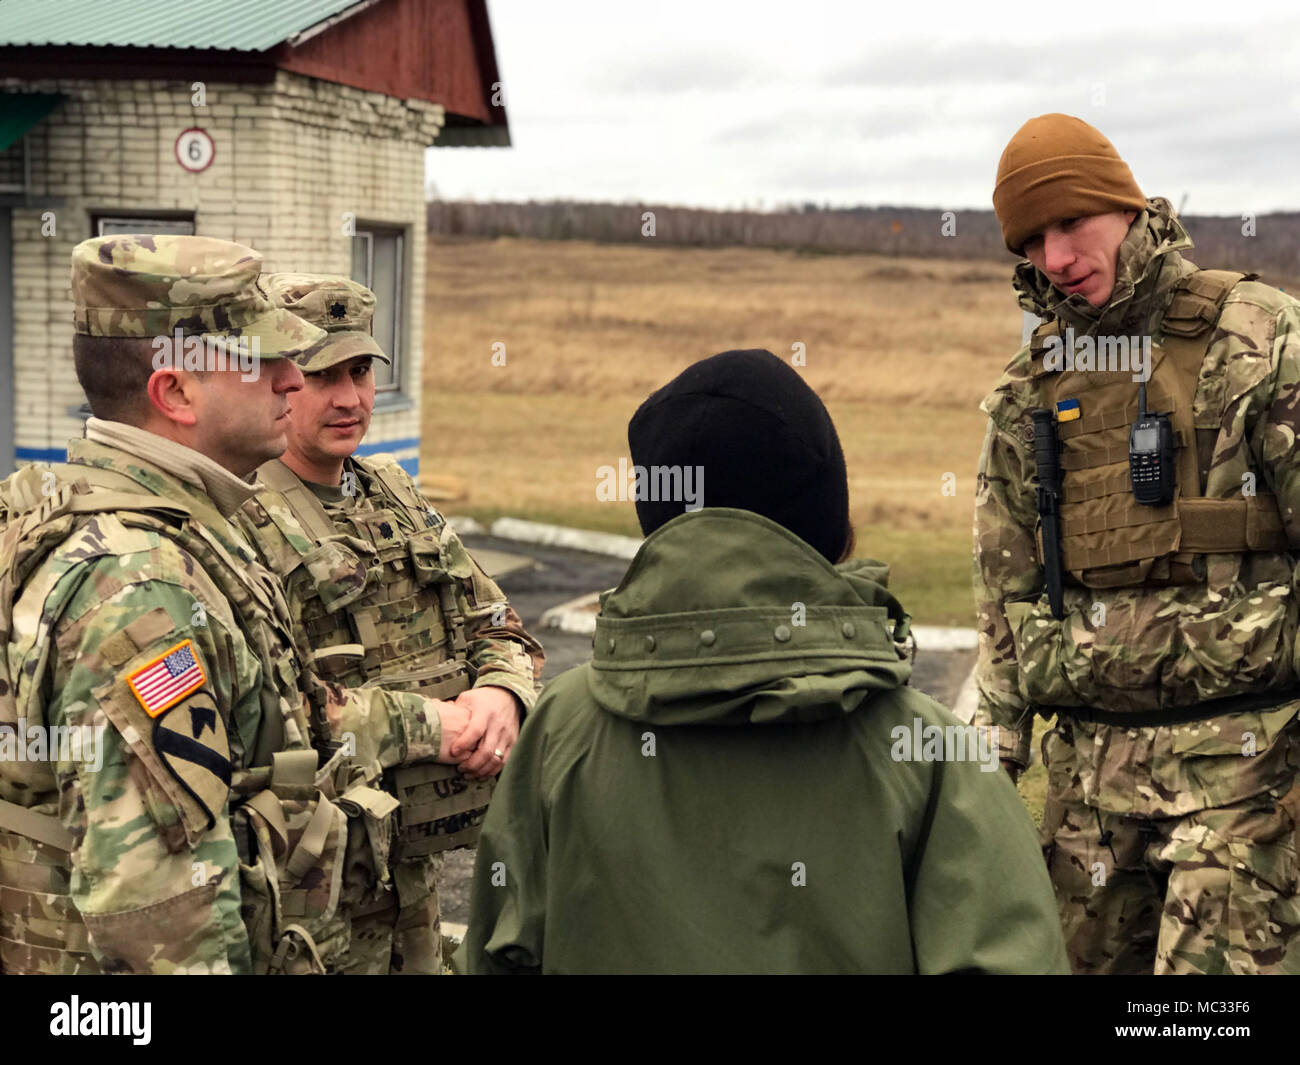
763,438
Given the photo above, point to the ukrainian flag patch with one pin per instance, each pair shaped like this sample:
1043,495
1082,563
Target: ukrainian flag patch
1067,410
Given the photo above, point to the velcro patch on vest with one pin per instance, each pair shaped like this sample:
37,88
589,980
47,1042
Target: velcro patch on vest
1067,410
440,808
191,741
169,678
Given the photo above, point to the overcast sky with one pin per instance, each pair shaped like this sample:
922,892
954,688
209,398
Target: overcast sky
728,104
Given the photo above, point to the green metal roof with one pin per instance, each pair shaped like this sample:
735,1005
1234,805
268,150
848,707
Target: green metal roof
238,25
19,112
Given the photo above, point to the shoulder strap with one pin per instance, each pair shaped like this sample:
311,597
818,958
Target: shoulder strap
25,490
306,508
44,828
1197,301
402,491
396,485
1039,338
1187,330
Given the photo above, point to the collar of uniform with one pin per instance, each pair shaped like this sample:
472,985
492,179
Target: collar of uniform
366,492
328,494
226,490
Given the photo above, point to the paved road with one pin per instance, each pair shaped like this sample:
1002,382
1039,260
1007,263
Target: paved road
561,575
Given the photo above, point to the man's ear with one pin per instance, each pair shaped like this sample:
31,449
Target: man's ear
1129,215
172,394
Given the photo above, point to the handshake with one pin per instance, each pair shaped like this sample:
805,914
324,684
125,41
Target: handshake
479,727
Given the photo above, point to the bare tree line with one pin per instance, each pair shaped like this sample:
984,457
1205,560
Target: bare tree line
1269,244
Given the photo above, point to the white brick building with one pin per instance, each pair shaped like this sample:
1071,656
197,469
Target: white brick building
313,117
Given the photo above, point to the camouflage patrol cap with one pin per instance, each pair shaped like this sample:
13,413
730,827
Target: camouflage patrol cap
339,305
142,286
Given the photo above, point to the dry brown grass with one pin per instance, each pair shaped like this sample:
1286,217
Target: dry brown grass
900,349
604,320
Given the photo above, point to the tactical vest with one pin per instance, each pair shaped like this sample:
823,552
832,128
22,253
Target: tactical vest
307,834
1108,539
377,595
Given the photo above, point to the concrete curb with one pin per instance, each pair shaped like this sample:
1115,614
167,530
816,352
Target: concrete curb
465,526
536,532
575,617
943,638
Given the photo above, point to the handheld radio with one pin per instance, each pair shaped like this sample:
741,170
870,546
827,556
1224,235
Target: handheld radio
1151,455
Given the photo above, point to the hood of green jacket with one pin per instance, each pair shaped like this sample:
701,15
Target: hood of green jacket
726,618
1147,268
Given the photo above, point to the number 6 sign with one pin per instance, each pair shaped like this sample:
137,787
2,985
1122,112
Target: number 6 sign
194,149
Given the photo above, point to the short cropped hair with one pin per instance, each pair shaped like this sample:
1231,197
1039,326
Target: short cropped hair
113,372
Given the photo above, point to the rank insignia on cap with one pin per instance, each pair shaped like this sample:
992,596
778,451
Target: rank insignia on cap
338,310
168,679
1068,410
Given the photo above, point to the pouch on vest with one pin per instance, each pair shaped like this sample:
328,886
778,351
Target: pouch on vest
441,809
1110,540
41,931
293,840
338,573
373,824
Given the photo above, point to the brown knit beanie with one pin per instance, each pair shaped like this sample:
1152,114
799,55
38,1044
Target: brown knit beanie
1058,166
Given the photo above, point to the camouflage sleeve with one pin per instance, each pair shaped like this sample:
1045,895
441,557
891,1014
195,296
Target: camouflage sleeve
499,648
1005,568
155,866
383,726
1277,432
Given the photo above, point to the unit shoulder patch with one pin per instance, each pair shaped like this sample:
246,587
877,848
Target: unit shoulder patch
191,740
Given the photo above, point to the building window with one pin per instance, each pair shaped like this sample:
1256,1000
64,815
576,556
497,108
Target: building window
106,224
377,263
13,168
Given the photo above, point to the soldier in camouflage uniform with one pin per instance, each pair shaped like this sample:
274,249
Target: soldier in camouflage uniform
229,823
411,610
1170,827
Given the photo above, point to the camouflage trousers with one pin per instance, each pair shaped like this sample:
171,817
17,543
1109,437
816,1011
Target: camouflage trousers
401,934
1215,891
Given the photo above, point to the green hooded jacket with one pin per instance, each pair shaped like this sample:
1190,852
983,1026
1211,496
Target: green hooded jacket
717,791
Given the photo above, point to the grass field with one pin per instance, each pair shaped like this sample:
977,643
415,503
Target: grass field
901,350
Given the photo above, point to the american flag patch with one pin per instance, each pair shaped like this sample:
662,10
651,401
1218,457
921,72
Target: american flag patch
167,679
